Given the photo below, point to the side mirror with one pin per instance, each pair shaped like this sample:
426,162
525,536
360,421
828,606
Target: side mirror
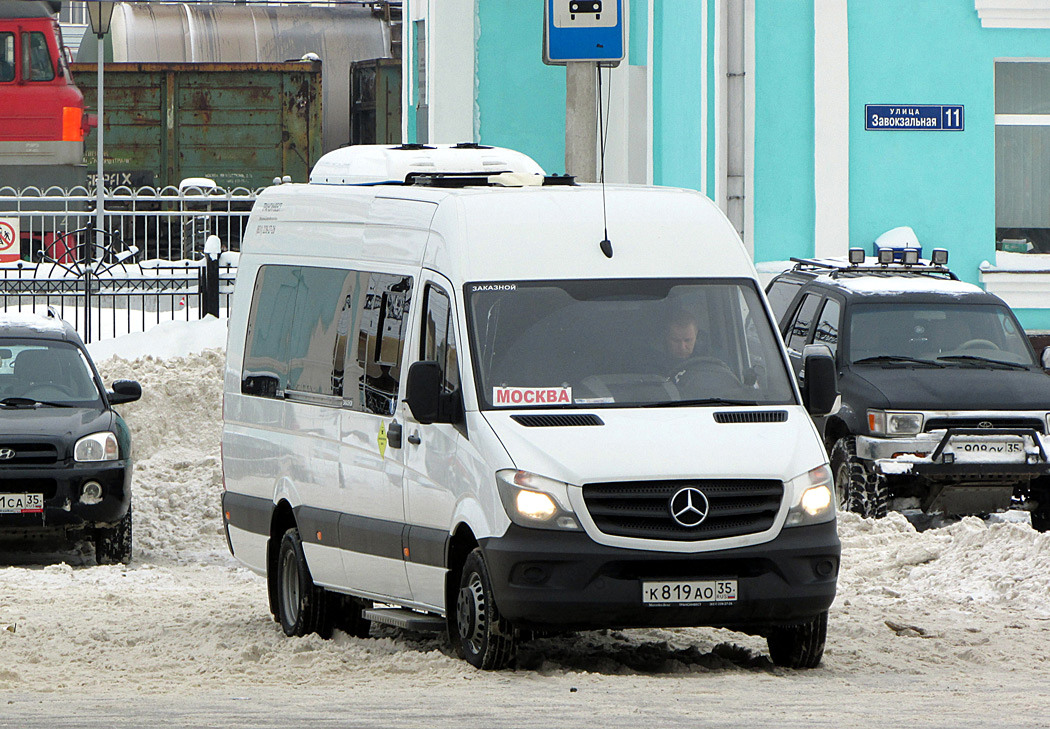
124,391
426,397
1045,358
820,388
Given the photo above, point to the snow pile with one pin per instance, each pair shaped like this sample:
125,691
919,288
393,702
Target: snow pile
165,340
176,428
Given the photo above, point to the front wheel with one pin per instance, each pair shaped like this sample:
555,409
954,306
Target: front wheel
487,640
113,544
860,489
799,646
302,607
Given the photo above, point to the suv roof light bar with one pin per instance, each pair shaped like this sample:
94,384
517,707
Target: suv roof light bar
837,268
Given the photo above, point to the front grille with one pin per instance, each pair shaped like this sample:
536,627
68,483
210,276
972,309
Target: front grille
752,416
1036,424
28,454
551,421
642,509
46,486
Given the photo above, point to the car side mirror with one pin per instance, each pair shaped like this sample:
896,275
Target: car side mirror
426,397
124,391
1045,358
820,388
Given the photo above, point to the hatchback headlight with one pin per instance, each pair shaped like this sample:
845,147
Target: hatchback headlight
535,501
815,502
97,447
881,422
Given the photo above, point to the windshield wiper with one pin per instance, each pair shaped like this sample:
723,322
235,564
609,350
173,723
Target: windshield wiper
699,402
962,358
28,402
898,359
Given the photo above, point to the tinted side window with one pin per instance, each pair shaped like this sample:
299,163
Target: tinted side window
381,342
7,57
780,295
42,68
799,331
439,337
827,331
265,369
314,330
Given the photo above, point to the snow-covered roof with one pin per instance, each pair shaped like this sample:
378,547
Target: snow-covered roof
32,322
902,284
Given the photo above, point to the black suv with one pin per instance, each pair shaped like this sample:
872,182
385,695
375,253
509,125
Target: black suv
65,454
944,408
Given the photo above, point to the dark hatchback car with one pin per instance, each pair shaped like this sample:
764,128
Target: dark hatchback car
65,454
945,408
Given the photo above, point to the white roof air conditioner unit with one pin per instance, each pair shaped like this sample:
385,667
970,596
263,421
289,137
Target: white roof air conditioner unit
376,164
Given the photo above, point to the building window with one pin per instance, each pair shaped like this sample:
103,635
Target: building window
1022,156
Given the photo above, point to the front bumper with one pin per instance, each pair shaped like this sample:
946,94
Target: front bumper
548,579
61,485
988,455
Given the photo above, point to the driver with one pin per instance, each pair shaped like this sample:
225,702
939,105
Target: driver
686,359
680,337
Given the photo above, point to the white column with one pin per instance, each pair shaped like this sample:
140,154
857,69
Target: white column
831,126
450,70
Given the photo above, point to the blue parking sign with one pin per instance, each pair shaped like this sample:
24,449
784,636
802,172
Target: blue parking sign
583,30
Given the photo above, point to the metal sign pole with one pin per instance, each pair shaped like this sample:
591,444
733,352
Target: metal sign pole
581,120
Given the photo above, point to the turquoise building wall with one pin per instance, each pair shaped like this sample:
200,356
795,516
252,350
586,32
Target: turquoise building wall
784,201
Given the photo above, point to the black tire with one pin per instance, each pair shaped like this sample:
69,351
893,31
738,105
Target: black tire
346,614
859,488
486,639
1041,513
799,646
302,607
113,545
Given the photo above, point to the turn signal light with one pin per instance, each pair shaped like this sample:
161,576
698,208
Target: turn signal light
72,124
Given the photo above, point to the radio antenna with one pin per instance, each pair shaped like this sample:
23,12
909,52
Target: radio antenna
606,244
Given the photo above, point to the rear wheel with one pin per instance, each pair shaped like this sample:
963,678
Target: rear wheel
302,607
486,639
859,488
113,544
799,646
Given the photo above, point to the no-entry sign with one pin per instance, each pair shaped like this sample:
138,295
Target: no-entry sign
10,243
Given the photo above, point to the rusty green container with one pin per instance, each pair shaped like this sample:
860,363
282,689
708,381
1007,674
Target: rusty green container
239,124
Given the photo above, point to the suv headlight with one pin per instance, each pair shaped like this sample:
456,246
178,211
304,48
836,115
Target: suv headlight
96,447
881,422
815,502
535,501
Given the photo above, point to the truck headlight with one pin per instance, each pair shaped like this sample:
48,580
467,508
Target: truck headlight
815,500
535,501
881,422
96,447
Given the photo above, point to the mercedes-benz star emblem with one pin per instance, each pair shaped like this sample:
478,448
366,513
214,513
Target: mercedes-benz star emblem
6,454
689,506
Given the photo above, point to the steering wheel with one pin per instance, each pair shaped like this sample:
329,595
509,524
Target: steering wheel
708,375
978,344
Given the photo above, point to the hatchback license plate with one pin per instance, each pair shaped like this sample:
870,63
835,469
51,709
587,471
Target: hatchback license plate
689,592
21,503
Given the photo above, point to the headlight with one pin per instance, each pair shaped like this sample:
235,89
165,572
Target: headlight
881,422
97,447
815,500
535,501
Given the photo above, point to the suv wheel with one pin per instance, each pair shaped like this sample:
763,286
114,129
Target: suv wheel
859,488
113,544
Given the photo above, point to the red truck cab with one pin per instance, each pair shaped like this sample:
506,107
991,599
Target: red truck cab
42,120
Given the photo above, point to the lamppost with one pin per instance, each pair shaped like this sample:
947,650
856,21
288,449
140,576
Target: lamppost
100,14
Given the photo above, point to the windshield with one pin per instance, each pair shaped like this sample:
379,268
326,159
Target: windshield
623,343
43,371
945,334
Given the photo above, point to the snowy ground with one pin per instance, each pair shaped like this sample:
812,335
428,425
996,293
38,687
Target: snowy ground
949,627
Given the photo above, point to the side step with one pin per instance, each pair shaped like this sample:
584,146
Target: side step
405,619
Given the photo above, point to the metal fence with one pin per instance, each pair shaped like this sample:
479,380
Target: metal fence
147,266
